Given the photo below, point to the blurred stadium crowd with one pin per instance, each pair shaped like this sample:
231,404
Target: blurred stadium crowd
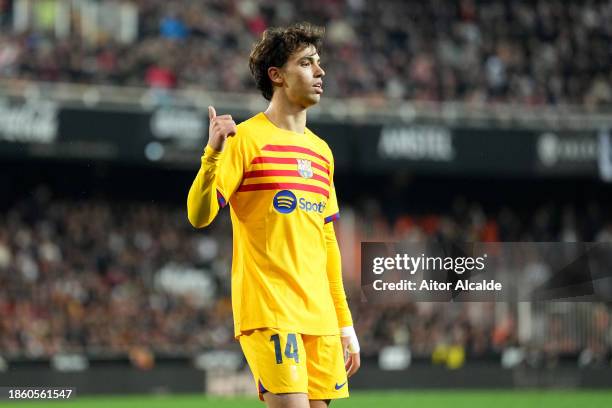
525,52
103,277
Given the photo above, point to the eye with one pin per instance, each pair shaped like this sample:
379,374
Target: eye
305,63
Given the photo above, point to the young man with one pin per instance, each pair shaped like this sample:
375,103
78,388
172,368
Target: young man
290,310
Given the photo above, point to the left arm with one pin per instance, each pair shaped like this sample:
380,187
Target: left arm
334,276
343,313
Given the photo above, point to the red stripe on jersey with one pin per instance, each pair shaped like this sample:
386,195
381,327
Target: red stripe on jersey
284,186
294,149
287,173
285,160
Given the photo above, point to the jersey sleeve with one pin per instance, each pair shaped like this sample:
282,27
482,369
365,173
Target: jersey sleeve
334,276
332,212
232,165
334,260
219,176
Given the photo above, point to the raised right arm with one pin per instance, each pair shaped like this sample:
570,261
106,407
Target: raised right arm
205,198
202,201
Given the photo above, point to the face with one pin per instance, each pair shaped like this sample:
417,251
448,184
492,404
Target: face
301,77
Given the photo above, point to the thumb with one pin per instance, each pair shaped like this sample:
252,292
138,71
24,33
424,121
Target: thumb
211,113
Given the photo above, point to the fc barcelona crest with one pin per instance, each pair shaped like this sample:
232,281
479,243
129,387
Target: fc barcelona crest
305,168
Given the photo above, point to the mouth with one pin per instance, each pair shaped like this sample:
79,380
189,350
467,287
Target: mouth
318,88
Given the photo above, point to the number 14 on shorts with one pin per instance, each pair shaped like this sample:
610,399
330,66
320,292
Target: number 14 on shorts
291,348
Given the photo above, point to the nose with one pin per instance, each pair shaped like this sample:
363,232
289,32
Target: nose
319,72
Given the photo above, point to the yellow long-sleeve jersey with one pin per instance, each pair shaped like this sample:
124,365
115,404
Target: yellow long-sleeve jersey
286,267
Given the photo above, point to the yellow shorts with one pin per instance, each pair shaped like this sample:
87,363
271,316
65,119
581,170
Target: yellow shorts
283,362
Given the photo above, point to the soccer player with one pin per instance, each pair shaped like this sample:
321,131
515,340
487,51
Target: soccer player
290,310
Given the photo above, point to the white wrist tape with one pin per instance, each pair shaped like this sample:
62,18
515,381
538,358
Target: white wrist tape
349,331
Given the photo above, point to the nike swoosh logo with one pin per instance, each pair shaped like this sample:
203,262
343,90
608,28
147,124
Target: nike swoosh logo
340,386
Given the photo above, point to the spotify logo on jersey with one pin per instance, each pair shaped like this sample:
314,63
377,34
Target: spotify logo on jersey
284,202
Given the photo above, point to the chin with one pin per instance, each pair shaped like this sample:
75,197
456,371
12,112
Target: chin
306,101
312,100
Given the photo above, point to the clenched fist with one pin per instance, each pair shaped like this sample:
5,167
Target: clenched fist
220,128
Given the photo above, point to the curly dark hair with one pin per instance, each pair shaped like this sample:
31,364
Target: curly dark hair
275,48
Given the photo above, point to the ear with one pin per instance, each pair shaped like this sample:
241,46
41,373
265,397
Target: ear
276,76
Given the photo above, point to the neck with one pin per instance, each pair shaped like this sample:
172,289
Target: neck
286,115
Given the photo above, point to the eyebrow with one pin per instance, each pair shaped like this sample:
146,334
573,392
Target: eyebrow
310,58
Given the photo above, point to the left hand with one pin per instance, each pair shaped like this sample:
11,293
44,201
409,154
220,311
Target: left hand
352,358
